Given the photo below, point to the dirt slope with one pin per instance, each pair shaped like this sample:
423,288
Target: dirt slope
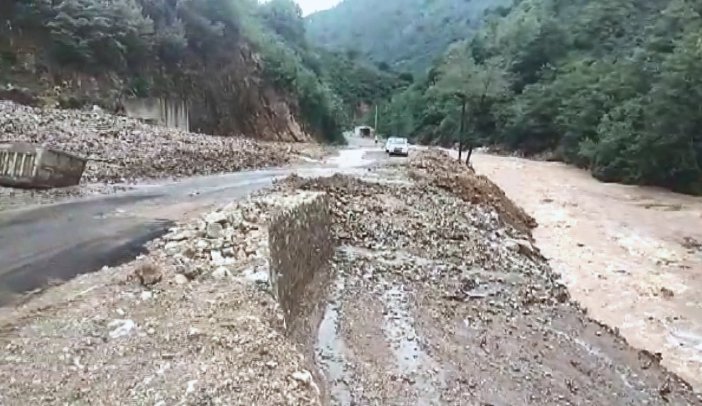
450,175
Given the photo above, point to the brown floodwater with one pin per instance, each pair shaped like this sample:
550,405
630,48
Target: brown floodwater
631,255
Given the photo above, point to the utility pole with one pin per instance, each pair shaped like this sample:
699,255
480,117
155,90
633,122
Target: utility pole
460,133
375,125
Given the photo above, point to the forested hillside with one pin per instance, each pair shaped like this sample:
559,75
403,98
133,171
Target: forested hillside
610,85
359,84
246,68
407,35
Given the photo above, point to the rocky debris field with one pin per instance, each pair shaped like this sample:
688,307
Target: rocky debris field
433,168
434,298
439,300
193,322
122,150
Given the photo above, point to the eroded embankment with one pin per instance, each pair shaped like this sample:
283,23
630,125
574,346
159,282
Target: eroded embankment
439,297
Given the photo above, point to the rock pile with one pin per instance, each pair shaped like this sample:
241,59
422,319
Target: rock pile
437,168
441,298
122,149
191,323
229,243
428,222
232,241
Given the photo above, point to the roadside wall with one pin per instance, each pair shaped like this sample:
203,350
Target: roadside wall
162,111
26,165
300,252
301,248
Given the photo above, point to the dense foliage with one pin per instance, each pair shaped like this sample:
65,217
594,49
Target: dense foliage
407,35
192,47
347,83
359,84
611,85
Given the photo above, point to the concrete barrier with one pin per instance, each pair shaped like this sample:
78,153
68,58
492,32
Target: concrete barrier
301,247
31,166
162,111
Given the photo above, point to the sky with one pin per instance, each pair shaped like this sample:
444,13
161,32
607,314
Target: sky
310,6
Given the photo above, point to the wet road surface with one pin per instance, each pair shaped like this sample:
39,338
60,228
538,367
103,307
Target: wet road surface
51,243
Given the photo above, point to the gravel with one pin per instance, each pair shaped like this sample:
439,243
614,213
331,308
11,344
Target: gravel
123,150
434,299
192,322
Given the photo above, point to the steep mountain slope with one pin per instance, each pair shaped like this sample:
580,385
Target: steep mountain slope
359,85
231,59
406,34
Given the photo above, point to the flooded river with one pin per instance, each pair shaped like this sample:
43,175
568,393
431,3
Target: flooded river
631,255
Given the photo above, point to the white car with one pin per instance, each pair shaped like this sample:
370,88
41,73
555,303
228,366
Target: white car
397,146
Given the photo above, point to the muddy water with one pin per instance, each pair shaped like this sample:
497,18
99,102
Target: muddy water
331,352
629,254
411,360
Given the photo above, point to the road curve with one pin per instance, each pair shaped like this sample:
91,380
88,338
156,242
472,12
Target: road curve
56,242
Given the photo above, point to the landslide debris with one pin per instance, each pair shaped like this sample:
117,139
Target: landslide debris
436,300
437,168
439,300
193,322
122,149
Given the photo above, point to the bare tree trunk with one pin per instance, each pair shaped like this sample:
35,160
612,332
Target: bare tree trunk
470,152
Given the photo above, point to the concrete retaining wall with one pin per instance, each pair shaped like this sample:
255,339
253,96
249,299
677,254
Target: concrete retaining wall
301,248
161,111
300,252
32,166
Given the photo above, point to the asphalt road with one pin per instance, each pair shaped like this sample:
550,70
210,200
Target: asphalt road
56,242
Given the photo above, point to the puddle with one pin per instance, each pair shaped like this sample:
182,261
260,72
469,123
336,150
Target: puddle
351,158
330,350
413,363
687,341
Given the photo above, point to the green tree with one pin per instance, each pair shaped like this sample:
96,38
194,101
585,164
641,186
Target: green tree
608,85
670,151
105,34
284,17
475,86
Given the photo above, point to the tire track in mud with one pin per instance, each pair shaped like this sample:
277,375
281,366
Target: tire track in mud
384,350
